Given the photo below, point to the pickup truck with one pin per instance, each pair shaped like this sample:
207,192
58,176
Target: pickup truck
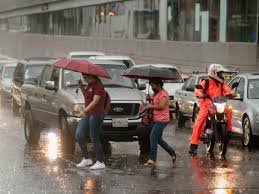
55,101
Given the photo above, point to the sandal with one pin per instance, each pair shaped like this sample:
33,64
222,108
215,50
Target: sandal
150,163
174,157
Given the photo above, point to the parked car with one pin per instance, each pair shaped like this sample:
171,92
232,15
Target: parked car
246,106
84,54
26,69
170,85
186,103
55,101
121,59
6,75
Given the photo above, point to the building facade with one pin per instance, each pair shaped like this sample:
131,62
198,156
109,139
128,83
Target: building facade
188,33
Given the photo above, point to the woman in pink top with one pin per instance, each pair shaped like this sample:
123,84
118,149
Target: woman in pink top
161,118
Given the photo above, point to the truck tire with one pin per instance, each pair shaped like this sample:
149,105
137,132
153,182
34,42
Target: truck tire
31,132
107,148
67,140
15,108
144,144
181,119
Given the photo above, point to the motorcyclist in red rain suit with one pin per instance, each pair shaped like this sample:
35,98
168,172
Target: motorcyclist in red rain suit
216,87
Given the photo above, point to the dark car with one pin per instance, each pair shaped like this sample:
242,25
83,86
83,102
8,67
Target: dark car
26,69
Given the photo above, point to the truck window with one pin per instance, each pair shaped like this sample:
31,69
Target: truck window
55,76
45,76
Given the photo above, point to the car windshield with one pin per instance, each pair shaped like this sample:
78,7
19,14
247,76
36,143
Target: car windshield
82,56
128,63
8,72
33,71
253,89
71,78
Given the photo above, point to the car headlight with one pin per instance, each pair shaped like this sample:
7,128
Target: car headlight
257,117
77,108
220,107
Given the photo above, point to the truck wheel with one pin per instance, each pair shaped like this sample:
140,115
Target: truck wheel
31,132
67,140
181,119
144,145
107,148
195,113
15,108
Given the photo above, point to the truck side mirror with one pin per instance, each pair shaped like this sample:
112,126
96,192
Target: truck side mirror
50,85
142,86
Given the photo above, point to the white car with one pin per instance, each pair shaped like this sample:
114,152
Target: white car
169,85
245,116
126,60
84,54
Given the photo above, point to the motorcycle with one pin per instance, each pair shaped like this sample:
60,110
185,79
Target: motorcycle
215,131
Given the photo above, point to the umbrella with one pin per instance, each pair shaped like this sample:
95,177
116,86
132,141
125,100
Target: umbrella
82,66
149,72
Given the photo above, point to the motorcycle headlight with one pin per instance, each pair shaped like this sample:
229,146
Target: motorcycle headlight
257,117
220,107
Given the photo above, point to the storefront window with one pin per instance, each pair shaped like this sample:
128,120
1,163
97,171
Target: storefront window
176,20
241,20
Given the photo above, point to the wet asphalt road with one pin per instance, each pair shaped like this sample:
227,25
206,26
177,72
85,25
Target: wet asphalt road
43,170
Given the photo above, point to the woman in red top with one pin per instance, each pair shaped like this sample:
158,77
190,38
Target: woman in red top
93,115
161,118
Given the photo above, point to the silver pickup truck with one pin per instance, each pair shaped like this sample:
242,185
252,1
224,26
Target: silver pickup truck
55,101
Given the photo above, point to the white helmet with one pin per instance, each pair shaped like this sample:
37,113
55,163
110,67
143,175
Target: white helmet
215,71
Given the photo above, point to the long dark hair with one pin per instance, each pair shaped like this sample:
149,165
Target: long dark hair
157,81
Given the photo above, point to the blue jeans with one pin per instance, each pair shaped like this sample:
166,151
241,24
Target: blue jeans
156,138
92,124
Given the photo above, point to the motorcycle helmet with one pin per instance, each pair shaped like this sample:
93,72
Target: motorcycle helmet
215,71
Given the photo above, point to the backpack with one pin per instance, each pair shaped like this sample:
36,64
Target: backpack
107,103
207,86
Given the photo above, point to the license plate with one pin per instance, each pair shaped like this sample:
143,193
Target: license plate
119,122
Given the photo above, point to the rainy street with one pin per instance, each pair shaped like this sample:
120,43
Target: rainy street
43,170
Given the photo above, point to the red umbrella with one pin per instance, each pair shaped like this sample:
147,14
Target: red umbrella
82,66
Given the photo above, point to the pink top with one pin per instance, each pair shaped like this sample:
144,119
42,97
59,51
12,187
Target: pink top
161,115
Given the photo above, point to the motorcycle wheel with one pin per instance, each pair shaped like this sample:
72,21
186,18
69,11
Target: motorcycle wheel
222,145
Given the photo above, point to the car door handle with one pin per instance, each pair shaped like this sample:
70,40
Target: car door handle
185,94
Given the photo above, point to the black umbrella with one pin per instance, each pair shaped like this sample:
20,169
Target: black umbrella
149,72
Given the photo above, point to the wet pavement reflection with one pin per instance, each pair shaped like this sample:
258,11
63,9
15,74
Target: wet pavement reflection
42,169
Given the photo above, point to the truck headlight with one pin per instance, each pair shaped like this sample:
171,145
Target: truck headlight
77,108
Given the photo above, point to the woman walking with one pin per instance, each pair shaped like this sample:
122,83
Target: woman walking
161,118
93,115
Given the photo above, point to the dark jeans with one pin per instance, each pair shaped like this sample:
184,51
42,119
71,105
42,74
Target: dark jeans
156,138
92,124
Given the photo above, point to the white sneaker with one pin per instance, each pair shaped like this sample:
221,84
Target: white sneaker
97,165
84,162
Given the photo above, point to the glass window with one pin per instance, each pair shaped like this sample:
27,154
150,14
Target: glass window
8,72
187,83
241,20
232,82
45,76
71,78
240,88
55,76
33,71
253,89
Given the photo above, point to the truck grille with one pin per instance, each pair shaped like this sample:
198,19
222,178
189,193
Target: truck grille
124,109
